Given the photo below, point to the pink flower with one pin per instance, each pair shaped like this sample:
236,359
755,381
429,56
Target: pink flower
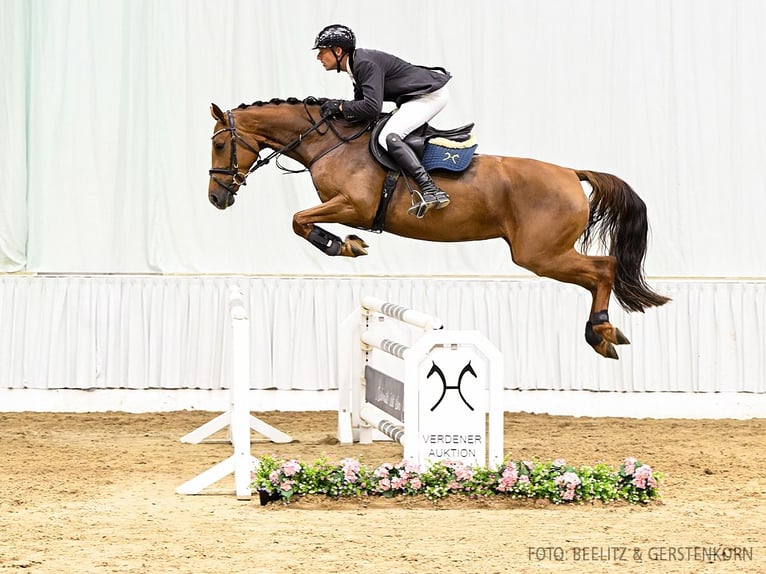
569,481
411,467
415,483
384,484
463,472
286,485
290,467
383,470
643,476
569,478
351,469
559,462
509,477
351,464
398,483
630,465
274,476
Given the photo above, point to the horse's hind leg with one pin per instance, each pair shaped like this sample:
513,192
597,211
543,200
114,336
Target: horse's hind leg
602,335
598,326
594,273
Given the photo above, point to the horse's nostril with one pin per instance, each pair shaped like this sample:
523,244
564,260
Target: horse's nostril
213,199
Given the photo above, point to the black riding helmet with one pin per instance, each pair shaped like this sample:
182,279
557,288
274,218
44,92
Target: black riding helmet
336,35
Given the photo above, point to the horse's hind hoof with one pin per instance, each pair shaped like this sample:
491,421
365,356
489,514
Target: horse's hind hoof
594,337
621,338
610,333
606,349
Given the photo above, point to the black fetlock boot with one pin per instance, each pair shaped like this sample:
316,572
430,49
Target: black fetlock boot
408,161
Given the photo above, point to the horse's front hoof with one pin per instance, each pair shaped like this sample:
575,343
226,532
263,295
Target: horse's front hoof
354,246
356,239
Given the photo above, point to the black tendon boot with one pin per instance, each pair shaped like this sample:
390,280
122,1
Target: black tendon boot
408,161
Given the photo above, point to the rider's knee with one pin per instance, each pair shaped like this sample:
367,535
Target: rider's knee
386,139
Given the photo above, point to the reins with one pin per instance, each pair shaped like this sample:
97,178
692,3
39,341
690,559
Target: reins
341,139
239,178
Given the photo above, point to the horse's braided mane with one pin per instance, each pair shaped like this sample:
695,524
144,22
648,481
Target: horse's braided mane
311,101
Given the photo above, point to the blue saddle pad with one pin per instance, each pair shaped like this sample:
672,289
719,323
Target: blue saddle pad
440,153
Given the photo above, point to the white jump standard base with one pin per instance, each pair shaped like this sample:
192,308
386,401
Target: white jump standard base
238,418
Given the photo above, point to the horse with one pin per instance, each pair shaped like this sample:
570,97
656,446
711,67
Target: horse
540,209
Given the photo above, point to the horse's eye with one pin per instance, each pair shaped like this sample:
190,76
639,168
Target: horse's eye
219,146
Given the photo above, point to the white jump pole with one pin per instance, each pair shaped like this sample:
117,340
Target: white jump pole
393,430
403,314
350,362
238,417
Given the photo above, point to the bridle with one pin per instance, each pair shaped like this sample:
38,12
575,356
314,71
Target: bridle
239,178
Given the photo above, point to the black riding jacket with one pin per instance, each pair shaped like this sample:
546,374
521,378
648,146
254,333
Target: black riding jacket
380,77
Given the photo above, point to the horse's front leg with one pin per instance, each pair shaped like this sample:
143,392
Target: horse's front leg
336,210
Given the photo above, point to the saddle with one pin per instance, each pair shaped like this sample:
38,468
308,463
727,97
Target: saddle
430,145
437,149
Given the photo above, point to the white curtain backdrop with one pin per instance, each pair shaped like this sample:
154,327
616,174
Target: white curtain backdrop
114,266
171,332
13,135
106,130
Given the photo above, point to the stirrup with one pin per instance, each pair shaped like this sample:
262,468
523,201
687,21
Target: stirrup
419,209
427,201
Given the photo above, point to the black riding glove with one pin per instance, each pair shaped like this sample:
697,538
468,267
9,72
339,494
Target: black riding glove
331,108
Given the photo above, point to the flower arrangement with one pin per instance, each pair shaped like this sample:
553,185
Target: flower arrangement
555,481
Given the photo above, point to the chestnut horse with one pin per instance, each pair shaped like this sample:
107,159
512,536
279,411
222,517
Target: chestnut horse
538,208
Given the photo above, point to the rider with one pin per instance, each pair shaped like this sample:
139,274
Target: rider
419,93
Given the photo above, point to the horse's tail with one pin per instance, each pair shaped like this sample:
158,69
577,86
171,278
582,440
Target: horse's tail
618,218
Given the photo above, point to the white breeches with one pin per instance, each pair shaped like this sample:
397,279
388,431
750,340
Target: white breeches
413,114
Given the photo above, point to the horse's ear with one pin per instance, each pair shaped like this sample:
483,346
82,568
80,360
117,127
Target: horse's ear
217,113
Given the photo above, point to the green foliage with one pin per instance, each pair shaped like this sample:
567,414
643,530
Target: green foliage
554,481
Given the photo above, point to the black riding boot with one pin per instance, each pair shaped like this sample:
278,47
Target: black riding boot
408,161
